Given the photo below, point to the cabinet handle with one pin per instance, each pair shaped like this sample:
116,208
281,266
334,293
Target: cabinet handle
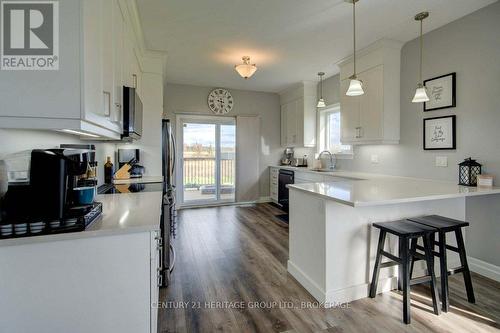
160,279
118,107
134,80
107,103
159,247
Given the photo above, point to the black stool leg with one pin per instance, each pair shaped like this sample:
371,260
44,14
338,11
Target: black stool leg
444,271
413,250
376,269
465,265
405,256
400,266
429,258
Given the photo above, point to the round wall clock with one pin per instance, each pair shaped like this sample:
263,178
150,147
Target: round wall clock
220,101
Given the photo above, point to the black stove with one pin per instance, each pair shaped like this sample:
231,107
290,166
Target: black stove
129,188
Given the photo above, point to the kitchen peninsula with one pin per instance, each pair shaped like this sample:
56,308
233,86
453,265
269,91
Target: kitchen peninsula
332,244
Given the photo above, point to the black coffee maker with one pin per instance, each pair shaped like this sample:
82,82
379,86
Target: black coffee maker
48,195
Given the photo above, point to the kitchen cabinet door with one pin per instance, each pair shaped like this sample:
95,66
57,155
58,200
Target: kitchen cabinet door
107,46
291,123
349,114
92,58
372,104
284,142
118,42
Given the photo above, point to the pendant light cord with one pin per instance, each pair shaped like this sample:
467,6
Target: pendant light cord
321,86
354,30
421,50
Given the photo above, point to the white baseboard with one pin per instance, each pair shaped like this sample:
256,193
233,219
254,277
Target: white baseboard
312,287
353,293
264,200
332,297
483,268
219,204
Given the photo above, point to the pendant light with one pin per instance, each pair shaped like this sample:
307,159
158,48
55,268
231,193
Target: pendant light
355,85
421,92
245,69
321,101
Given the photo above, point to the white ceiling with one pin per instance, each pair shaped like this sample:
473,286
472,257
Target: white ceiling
289,40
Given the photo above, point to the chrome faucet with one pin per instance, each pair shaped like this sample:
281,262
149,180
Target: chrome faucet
332,163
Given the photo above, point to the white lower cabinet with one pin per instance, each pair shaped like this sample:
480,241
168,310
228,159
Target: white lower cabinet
84,284
274,182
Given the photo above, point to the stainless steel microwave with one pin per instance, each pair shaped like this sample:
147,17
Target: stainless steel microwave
132,114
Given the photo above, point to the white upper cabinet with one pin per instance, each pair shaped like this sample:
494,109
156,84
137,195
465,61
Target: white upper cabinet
85,94
372,118
298,116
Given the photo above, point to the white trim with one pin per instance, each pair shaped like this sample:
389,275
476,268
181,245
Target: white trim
322,129
353,293
484,268
201,119
316,291
227,203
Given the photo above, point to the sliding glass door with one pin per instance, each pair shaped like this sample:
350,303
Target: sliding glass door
208,160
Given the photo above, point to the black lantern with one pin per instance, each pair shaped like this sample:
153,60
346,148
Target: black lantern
468,171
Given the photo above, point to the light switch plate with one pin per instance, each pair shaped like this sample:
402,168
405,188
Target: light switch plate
442,161
374,159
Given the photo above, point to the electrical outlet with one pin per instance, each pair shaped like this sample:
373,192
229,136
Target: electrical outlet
374,159
442,161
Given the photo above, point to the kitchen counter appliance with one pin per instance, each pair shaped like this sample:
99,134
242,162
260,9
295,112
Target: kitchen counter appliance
42,200
285,177
132,114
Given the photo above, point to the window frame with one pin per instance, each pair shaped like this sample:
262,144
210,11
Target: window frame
323,132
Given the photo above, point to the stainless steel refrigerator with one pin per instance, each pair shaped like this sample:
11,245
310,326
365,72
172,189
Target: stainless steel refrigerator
169,213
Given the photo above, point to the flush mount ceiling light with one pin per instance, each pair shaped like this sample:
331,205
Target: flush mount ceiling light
321,101
245,69
421,93
355,85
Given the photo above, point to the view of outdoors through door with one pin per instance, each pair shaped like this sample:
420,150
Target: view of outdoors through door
208,166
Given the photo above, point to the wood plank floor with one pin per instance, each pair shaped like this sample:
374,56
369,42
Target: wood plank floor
238,254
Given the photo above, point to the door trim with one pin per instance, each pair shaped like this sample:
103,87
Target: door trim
179,172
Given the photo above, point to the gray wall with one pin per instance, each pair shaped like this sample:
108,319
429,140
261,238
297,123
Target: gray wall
470,47
187,99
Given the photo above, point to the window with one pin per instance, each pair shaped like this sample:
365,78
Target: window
329,131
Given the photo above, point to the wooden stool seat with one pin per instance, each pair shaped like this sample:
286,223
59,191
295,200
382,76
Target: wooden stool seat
443,225
440,222
406,230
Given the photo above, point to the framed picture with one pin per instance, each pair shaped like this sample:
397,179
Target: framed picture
442,92
440,133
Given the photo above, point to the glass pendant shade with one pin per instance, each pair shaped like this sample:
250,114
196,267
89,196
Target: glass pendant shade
355,88
420,94
246,69
321,103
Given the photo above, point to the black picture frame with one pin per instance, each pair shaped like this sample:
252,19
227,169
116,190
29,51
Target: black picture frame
454,132
453,92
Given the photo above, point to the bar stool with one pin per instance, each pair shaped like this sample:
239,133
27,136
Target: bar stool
406,230
443,226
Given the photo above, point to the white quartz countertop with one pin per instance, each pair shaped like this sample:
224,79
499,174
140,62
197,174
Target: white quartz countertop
365,189
145,179
122,213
